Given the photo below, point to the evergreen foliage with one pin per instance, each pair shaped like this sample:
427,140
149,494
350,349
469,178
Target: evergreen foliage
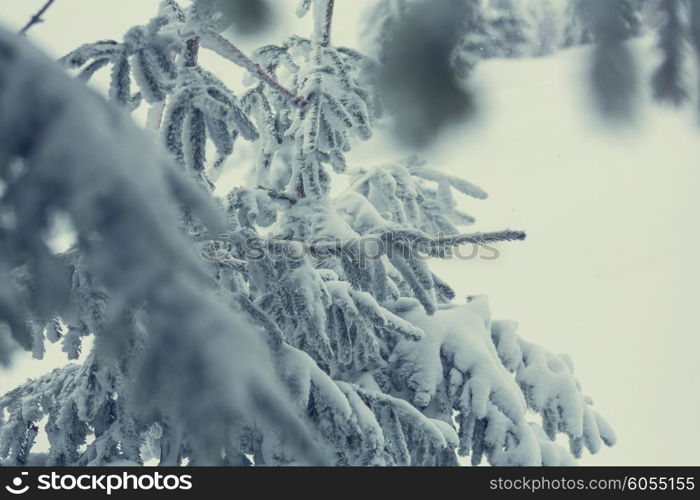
281,324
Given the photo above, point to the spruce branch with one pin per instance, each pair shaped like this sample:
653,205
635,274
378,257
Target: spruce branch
279,195
213,41
36,18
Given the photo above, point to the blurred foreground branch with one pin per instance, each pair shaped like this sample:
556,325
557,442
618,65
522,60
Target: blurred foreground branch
418,80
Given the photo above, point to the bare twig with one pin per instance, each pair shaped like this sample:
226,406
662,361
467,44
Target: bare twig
214,41
36,18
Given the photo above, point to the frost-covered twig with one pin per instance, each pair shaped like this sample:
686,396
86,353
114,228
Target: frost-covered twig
423,242
213,41
36,18
279,195
326,22
481,238
192,52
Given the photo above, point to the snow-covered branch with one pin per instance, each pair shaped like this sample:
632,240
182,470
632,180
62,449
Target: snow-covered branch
127,221
280,324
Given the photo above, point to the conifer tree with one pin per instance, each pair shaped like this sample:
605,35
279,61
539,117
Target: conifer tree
510,33
547,26
616,74
281,324
669,80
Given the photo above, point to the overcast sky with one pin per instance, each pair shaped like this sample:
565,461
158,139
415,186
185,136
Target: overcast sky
610,270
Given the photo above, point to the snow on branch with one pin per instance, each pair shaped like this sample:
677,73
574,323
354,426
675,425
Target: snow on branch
408,194
550,388
480,357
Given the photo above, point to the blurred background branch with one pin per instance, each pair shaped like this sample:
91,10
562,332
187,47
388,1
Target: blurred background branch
419,81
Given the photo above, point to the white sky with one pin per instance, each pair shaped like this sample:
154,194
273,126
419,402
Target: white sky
610,270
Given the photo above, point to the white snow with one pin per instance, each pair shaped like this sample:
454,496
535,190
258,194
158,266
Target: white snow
609,272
